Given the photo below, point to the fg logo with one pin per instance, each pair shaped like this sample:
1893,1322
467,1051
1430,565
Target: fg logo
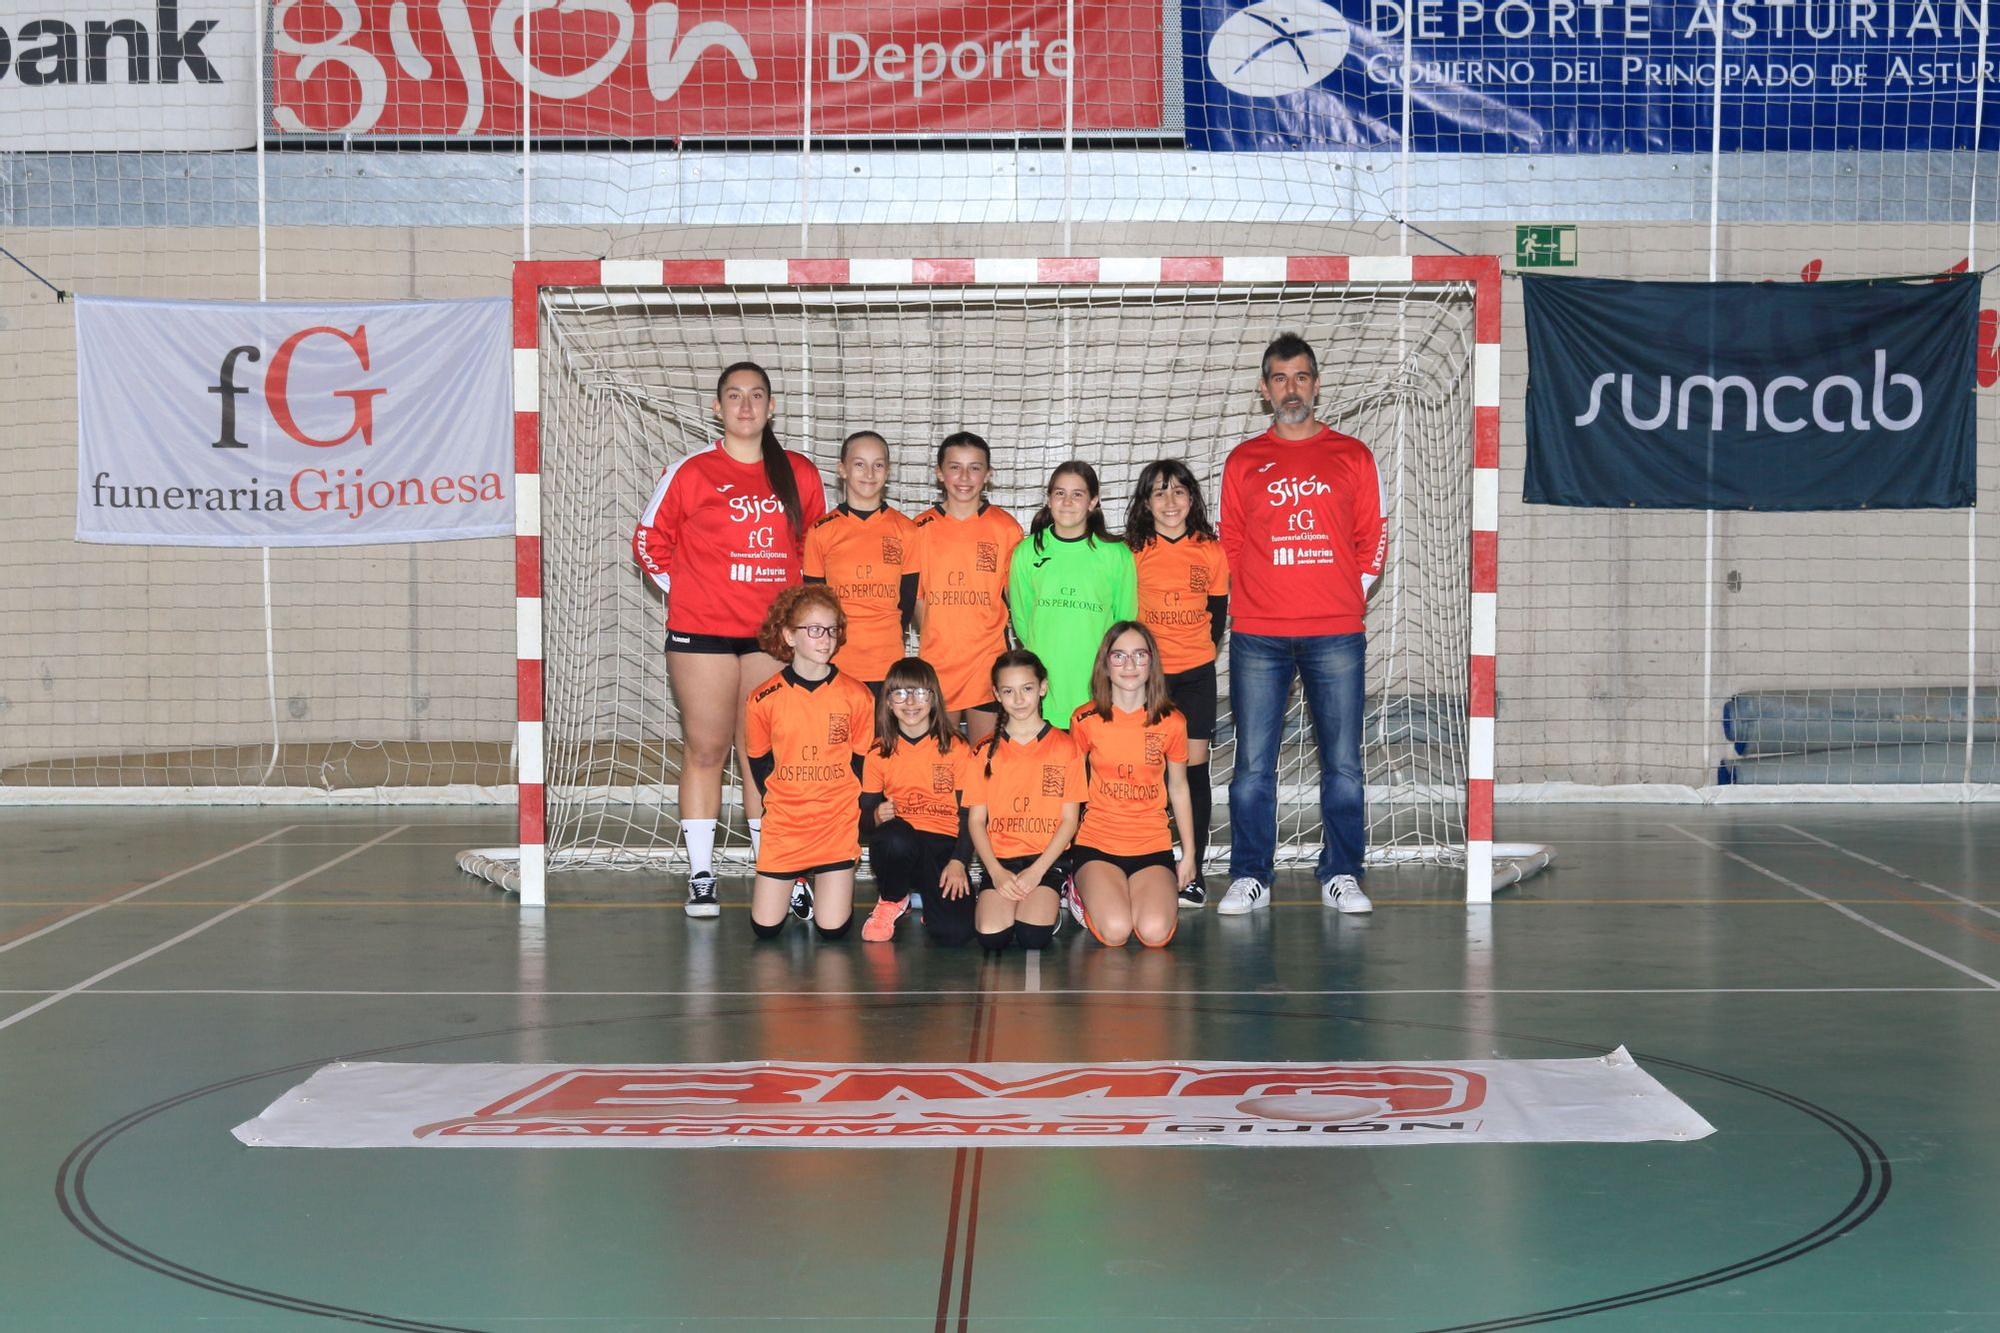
1274,47
278,385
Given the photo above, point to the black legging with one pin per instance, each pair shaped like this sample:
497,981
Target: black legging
908,860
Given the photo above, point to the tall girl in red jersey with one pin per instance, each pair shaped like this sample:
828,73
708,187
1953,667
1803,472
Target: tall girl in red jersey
1135,741
1024,790
721,536
807,730
1184,601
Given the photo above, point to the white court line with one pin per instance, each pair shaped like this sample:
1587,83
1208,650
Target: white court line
1961,899
188,934
144,888
1844,910
1034,981
975,994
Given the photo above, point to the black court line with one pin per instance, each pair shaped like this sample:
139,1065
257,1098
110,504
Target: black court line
72,1195
964,1202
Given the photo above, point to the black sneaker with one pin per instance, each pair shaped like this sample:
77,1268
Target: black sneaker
802,900
701,895
1194,895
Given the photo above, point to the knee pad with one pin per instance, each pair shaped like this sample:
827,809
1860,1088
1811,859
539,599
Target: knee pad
950,931
1033,937
765,932
995,941
830,933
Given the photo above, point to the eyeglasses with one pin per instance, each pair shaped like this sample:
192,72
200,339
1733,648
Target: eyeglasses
816,631
1137,657
913,694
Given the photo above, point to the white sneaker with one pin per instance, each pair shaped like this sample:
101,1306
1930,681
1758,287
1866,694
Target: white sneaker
1245,895
1343,894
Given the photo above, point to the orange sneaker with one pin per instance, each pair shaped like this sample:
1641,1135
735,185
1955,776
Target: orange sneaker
880,927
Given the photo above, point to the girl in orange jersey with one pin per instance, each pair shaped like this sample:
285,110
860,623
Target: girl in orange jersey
1136,743
807,729
1184,601
910,788
865,551
1024,795
964,550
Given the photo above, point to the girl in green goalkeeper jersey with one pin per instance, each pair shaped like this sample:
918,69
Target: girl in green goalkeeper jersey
1069,582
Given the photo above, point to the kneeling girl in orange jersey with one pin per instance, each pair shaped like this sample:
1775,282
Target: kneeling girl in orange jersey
910,789
1135,742
807,729
1024,793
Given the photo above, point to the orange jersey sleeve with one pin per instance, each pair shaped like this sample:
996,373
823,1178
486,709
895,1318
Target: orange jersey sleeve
1127,810
1176,579
923,784
1025,795
863,559
962,584
812,733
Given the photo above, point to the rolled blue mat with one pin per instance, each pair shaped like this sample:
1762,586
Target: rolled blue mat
1774,722
1883,764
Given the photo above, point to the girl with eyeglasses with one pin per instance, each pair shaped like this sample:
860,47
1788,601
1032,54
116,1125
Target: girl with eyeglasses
1184,601
911,785
1070,580
1023,796
1135,743
721,535
808,728
865,552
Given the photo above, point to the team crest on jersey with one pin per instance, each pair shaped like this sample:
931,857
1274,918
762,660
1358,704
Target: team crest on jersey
1198,578
839,728
987,557
892,550
1052,780
941,779
1156,747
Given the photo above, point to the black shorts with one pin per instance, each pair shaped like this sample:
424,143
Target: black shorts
1193,692
677,642
809,874
1014,865
1131,865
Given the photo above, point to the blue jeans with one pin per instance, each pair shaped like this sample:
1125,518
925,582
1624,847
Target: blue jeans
1333,669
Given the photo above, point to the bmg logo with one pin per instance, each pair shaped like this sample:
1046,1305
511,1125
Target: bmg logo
277,390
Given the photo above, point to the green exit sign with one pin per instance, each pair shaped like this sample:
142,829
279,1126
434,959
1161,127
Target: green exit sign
1544,245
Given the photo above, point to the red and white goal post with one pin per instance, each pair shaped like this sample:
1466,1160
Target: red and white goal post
1119,361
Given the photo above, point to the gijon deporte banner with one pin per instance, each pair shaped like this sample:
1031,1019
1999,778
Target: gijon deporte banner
215,423
1748,395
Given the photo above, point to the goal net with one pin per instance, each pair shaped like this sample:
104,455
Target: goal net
1118,362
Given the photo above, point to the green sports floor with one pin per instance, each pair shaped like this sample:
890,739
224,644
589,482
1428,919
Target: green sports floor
1819,982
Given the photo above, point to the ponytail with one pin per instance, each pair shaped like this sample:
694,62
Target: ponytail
784,483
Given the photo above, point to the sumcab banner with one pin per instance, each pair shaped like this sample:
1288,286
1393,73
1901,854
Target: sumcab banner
797,1104
656,69
1749,395
205,423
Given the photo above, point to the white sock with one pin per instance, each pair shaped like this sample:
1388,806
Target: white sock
699,835
756,836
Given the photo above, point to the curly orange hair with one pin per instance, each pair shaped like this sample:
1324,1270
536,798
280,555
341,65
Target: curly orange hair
784,614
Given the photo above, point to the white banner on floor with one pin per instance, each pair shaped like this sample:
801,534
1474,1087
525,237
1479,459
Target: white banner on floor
785,1104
